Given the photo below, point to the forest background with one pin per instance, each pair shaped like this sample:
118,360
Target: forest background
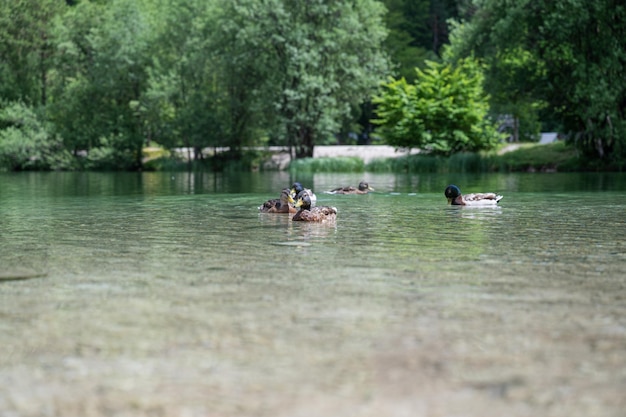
89,84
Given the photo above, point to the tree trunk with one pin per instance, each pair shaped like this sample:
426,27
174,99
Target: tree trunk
304,143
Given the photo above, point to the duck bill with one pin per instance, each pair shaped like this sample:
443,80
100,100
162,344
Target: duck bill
298,203
450,201
370,188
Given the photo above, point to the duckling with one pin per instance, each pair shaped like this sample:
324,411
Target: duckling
284,204
363,188
297,188
312,214
454,196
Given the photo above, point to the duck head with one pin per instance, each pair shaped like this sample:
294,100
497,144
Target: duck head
296,188
452,192
285,196
303,200
363,186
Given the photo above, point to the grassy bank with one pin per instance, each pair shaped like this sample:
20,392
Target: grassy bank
553,157
528,158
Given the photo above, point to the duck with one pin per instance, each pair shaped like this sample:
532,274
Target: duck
284,204
363,188
312,214
297,188
455,198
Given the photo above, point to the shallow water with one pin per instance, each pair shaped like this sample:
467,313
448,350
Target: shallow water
169,294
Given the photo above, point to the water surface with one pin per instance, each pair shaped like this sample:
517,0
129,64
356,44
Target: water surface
169,294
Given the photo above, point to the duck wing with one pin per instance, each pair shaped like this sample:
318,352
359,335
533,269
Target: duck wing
343,190
269,205
485,198
316,214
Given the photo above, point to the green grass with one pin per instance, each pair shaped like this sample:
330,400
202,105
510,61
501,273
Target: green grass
462,162
531,157
556,156
337,164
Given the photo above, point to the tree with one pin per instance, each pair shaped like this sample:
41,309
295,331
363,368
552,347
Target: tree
104,57
577,47
407,22
26,141
444,112
26,49
511,73
183,102
418,30
311,61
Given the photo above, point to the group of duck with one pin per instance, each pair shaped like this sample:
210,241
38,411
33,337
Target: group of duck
302,202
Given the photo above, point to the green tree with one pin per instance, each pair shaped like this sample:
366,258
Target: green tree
182,105
104,57
26,141
407,22
418,30
511,73
577,46
312,62
26,49
444,112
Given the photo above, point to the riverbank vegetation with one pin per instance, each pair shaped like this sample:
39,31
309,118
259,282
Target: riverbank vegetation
557,156
88,84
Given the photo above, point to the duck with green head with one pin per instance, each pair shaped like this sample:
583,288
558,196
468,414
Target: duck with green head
307,213
297,189
455,198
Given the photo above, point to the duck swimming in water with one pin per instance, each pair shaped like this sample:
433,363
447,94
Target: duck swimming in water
363,188
284,204
312,214
297,188
455,198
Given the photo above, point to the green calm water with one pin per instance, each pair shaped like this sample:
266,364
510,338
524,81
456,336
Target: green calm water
99,271
186,225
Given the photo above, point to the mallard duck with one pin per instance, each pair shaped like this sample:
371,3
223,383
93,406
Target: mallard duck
363,188
312,214
297,188
284,204
454,196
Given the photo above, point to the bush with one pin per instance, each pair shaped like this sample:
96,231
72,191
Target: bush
26,141
444,112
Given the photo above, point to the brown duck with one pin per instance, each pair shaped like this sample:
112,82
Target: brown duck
312,214
284,204
363,188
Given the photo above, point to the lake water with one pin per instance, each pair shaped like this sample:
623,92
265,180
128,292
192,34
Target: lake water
168,294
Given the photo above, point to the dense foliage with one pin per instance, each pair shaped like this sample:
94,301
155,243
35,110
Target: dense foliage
567,58
88,83
444,112
317,60
103,78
